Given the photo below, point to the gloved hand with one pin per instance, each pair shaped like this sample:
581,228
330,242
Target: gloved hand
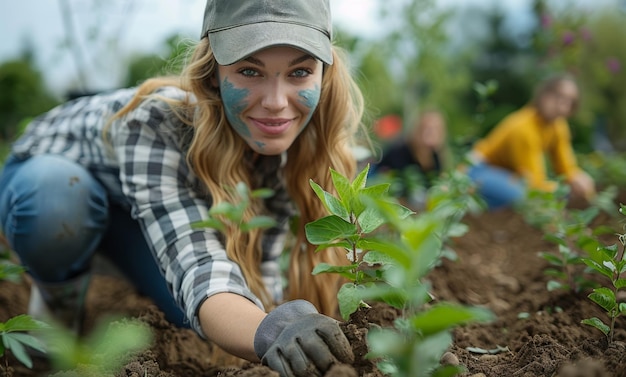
295,340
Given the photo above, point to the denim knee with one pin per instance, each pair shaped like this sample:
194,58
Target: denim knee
498,187
53,214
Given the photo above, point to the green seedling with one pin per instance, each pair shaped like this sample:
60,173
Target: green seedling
8,270
570,230
450,198
609,262
15,331
349,226
16,339
391,250
103,352
224,215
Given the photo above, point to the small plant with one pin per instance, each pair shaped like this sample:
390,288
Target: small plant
15,338
104,351
13,332
390,250
348,226
8,270
225,214
570,230
609,262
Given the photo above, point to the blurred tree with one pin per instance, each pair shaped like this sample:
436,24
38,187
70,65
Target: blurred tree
503,59
426,72
142,67
23,95
602,73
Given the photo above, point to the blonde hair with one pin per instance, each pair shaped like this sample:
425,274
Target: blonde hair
326,142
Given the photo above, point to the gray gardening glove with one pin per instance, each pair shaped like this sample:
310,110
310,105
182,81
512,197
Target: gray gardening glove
295,340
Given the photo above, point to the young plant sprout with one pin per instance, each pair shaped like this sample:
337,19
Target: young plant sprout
609,262
391,250
570,230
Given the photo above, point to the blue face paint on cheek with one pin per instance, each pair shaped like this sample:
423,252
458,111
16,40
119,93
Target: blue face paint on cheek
234,104
310,98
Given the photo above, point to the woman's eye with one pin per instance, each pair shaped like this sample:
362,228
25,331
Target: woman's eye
249,72
301,72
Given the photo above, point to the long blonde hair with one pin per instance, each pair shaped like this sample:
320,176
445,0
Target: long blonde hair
323,144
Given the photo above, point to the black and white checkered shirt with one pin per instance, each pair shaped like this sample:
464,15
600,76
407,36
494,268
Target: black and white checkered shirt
143,168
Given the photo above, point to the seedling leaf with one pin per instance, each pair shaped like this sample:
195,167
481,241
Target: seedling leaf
361,179
597,323
598,267
262,193
22,322
327,229
345,244
343,186
345,271
209,223
370,219
349,299
620,283
376,191
603,297
262,222
17,348
330,202
394,251
553,259
445,316
554,285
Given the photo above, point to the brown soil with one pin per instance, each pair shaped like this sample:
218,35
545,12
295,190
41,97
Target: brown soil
536,333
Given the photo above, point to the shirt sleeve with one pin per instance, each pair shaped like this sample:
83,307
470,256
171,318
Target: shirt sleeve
160,188
562,154
516,145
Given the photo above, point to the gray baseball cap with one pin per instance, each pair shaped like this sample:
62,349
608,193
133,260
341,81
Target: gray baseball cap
238,28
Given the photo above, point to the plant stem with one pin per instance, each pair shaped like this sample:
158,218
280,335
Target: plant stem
613,318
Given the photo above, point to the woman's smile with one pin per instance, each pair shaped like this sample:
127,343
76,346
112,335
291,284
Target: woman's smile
272,126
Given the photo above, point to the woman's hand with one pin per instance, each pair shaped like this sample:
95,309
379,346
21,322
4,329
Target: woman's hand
295,340
583,186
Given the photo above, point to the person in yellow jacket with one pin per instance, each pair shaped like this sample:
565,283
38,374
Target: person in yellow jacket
513,157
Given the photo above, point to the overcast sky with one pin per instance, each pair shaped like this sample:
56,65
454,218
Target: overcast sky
142,25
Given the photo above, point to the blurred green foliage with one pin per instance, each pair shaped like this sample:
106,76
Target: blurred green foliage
23,95
142,67
428,56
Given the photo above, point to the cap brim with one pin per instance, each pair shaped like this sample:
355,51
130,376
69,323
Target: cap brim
231,45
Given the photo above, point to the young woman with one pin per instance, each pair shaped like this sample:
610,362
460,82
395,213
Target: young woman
512,157
266,100
422,148
421,152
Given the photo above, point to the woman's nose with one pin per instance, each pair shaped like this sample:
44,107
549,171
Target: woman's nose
275,96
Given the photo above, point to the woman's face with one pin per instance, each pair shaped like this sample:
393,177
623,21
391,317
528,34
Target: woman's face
559,102
270,96
431,131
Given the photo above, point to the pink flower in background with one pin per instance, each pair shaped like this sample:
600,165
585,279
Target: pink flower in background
613,65
568,38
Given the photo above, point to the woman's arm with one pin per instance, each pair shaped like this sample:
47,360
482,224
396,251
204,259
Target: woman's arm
231,321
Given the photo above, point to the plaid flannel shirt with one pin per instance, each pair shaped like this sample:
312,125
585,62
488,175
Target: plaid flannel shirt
143,168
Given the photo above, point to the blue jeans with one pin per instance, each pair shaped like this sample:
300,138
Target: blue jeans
55,216
497,186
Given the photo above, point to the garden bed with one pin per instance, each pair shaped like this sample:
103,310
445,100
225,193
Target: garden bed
536,332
